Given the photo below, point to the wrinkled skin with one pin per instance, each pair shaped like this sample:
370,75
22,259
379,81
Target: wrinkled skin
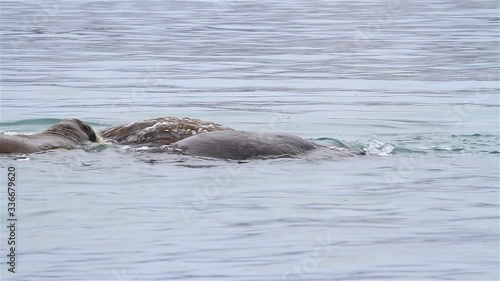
159,131
69,133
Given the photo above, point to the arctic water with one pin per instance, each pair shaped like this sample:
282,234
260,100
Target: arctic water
413,83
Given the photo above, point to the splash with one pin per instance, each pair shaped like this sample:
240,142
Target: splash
376,147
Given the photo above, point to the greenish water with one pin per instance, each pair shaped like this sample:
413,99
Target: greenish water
413,83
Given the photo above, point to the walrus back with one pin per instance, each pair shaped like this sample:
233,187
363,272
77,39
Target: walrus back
241,145
159,131
16,144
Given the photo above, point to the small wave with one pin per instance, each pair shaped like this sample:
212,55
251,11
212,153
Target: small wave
474,135
23,157
441,148
146,148
403,150
96,147
197,166
41,122
10,133
31,122
331,142
17,157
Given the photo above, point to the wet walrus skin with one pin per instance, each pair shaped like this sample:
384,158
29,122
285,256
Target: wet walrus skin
69,133
159,131
242,145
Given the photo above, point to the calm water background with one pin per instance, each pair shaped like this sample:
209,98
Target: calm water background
419,76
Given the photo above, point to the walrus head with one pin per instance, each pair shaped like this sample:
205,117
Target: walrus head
74,129
87,129
69,133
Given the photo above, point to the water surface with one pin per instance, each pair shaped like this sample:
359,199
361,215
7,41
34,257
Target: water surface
413,83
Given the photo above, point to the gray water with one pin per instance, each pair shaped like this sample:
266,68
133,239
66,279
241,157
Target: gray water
414,83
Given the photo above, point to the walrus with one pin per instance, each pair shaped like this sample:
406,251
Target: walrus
69,133
242,145
159,131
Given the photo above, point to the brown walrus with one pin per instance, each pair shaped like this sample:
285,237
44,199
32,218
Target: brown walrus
159,131
69,133
242,145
